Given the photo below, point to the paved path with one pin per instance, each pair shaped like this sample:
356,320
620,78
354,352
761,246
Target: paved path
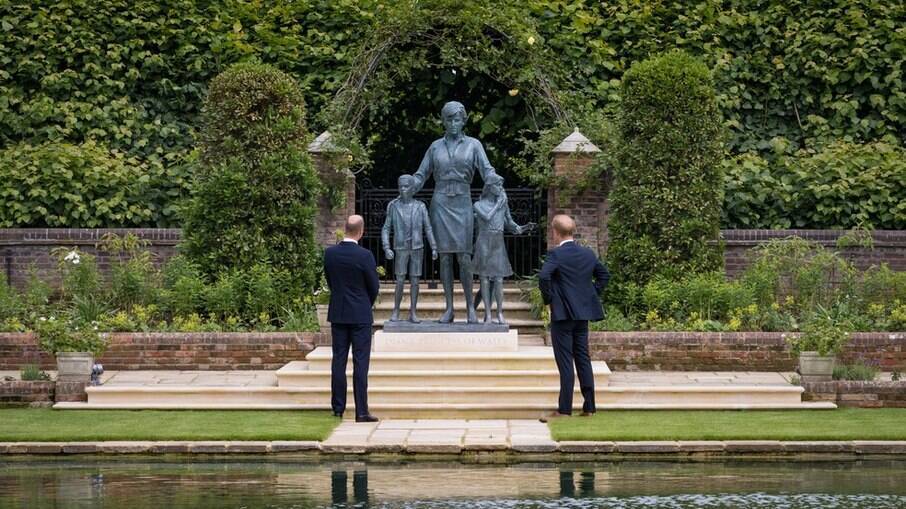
440,436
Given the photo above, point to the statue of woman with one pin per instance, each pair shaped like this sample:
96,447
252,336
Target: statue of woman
453,160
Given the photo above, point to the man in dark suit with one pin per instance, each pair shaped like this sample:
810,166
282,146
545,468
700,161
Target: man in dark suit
353,280
566,285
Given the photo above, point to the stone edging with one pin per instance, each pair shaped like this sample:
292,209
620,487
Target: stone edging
681,447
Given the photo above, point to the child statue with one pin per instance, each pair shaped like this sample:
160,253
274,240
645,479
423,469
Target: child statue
407,218
492,216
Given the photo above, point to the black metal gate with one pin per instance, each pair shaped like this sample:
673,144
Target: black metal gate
525,251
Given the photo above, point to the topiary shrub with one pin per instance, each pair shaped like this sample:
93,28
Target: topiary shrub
255,194
73,186
667,195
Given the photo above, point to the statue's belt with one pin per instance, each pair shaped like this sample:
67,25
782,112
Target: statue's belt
452,187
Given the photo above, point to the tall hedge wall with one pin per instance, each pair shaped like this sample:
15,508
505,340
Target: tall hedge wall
131,75
665,204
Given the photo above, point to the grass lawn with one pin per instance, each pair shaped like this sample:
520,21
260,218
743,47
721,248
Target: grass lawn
840,424
48,425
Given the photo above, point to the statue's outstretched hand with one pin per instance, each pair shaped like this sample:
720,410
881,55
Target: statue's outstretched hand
389,254
527,227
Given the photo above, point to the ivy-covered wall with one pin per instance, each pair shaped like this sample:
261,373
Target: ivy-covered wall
131,75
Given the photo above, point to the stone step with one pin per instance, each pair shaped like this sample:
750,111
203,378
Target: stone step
437,411
298,374
524,326
527,358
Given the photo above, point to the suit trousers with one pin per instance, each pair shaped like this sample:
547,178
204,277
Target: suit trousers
570,341
358,336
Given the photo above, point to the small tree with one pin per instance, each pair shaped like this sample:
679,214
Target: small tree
667,195
255,194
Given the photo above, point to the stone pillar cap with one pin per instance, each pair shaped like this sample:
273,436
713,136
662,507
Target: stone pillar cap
322,143
575,142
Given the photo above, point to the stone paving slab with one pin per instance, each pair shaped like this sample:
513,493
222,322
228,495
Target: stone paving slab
454,446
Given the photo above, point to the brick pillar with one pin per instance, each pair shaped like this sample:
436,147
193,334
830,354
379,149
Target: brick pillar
589,208
329,219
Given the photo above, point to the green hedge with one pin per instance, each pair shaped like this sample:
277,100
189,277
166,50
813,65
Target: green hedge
133,75
665,203
255,195
842,186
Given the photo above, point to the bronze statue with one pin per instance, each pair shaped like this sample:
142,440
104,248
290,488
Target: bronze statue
490,261
453,161
407,218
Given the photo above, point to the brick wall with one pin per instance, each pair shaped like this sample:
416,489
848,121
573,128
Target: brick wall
888,246
19,393
176,351
21,248
589,209
737,351
861,394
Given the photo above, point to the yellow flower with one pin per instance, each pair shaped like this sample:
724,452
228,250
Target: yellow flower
513,92
531,40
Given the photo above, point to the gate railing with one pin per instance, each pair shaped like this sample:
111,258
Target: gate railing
524,251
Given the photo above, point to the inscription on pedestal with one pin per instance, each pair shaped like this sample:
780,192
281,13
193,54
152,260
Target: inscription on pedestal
446,341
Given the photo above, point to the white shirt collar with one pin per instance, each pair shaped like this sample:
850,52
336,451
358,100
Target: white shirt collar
347,239
565,241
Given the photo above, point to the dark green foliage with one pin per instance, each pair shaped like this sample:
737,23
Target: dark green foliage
842,186
665,204
132,75
60,185
255,195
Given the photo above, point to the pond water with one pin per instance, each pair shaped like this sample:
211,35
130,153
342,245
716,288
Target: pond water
286,482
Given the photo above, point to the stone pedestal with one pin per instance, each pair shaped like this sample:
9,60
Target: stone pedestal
385,341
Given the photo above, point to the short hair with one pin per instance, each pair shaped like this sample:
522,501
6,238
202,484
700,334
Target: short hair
355,224
452,108
404,176
563,225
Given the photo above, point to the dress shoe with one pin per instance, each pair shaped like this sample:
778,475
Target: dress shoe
366,418
553,415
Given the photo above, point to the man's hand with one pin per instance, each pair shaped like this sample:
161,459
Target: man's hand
433,254
389,254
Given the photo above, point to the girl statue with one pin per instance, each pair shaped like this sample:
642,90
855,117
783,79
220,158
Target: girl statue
490,261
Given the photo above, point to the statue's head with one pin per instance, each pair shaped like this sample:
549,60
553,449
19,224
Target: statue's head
493,185
406,185
453,116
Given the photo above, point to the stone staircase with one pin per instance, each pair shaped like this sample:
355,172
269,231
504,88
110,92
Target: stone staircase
431,305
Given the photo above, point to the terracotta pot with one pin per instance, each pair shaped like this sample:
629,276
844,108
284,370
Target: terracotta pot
816,368
74,366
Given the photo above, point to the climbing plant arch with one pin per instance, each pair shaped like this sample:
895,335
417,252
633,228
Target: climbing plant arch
495,39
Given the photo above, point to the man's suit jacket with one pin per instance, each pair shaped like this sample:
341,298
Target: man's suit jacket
566,283
353,280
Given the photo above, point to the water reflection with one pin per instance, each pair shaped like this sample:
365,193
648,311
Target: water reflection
338,488
303,483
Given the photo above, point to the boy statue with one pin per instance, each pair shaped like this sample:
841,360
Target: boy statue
407,218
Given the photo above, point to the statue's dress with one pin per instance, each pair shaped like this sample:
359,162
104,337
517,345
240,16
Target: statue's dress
453,164
490,258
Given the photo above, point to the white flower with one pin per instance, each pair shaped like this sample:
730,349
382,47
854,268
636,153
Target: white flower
531,40
75,261
42,319
514,92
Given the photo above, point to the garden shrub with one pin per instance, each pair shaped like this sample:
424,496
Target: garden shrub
843,185
665,204
65,185
255,195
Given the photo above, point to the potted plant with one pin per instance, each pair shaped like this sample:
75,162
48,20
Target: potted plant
821,339
322,297
75,348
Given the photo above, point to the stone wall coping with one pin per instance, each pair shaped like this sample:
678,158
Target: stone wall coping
83,236
661,447
742,237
